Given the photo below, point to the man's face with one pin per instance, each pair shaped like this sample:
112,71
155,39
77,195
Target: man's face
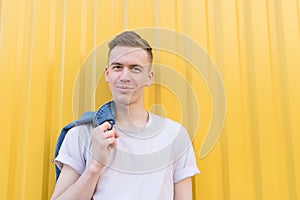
127,73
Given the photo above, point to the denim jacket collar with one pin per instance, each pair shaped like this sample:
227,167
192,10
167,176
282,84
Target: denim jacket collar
105,113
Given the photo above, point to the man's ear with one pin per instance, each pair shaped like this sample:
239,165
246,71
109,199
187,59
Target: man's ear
150,78
106,74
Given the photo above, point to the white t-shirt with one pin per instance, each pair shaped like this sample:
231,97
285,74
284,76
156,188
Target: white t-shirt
144,165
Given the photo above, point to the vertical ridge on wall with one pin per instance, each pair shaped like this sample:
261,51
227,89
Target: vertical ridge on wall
36,144
50,100
5,119
242,138
254,171
268,155
2,6
285,103
219,24
62,61
216,160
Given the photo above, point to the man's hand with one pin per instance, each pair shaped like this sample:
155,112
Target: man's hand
103,140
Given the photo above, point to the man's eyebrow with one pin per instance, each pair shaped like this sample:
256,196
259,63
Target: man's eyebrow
136,65
133,65
116,63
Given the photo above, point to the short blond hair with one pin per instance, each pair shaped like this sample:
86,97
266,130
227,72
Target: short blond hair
131,39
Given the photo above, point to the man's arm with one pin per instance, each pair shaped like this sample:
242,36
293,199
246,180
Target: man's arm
183,189
71,185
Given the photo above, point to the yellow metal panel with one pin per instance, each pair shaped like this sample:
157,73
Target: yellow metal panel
254,44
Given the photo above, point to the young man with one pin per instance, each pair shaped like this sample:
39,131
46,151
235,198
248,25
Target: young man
143,156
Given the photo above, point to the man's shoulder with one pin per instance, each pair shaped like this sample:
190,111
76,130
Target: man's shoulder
164,119
167,122
82,131
82,127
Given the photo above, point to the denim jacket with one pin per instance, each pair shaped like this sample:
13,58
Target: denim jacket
105,113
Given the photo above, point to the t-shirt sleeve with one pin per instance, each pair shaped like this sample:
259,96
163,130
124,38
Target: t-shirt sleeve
71,152
185,166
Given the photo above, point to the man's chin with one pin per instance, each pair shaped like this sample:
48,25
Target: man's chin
125,100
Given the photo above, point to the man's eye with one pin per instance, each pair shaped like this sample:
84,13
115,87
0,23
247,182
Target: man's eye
116,67
136,69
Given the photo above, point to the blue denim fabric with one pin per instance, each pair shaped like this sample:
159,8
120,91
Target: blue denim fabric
105,113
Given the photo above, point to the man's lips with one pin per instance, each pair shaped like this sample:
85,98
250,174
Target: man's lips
125,87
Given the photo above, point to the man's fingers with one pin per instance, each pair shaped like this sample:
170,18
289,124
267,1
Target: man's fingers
108,134
105,126
111,142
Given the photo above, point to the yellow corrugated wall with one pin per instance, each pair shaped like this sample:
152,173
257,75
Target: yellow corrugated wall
255,46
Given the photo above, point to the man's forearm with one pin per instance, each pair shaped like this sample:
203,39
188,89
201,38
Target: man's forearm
84,186
183,190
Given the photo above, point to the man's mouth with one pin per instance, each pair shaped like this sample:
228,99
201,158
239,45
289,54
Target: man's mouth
124,87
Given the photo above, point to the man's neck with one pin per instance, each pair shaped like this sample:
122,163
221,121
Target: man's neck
131,116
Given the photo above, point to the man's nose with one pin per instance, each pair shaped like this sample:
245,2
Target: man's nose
125,76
